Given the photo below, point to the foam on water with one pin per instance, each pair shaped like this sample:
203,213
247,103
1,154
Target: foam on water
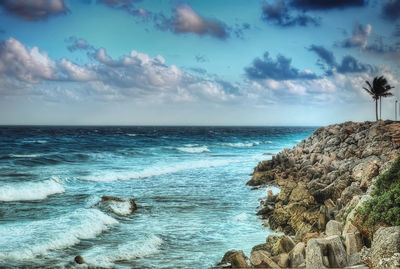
23,155
27,240
191,149
106,257
241,217
120,208
158,170
241,145
29,190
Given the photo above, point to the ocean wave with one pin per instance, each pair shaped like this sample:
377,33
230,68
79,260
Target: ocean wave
35,141
131,134
24,155
27,240
30,190
105,257
157,170
193,149
241,145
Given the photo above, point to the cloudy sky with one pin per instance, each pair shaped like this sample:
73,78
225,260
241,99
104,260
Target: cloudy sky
163,62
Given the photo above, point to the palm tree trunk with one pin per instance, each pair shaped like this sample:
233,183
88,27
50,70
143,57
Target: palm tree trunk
380,107
376,109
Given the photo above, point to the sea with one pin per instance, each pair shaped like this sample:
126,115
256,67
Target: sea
189,184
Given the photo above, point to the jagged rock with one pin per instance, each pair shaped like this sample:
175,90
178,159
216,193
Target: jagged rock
283,245
353,243
349,192
261,259
315,253
336,252
265,211
296,255
79,259
392,262
270,242
333,227
283,260
299,193
264,247
234,259
385,243
349,228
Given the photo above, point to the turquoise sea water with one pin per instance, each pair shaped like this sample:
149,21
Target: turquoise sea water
188,182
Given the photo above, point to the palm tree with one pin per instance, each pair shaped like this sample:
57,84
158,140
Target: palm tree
379,88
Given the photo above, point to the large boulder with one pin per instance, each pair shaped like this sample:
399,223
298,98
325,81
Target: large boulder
353,243
234,259
261,259
326,252
385,243
284,245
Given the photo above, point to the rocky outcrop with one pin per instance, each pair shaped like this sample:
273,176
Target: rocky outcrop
323,173
323,181
234,259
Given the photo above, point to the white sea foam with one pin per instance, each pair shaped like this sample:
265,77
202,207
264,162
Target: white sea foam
27,240
35,141
131,134
192,149
241,145
105,257
120,208
23,155
30,190
157,170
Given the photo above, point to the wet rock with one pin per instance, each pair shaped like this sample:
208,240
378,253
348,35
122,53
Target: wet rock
333,227
79,259
385,244
234,259
261,259
119,206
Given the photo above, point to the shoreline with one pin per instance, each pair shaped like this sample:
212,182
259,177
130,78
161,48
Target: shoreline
322,180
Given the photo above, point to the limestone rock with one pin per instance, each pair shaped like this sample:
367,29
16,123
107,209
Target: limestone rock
283,245
385,243
349,228
315,253
333,227
296,255
353,243
336,252
261,259
326,252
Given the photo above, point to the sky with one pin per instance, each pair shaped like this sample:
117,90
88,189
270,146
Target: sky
167,62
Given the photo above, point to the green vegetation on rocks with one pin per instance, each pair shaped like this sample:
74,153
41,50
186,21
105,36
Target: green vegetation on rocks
384,207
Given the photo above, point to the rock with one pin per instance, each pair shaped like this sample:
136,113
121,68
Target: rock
299,193
333,227
79,259
296,255
349,228
353,243
349,192
283,260
236,259
283,245
261,259
264,247
322,217
336,252
308,236
315,253
326,252
260,178
392,262
265,211
386,242
119,206
270,242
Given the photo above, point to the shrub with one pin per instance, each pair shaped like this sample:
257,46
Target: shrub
384,207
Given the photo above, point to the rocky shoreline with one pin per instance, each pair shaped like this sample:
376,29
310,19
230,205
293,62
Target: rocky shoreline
323,181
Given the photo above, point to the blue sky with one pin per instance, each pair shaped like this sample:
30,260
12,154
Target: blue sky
121,62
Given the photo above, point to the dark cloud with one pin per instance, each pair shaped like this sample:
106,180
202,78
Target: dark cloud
239,29
326,58
281,69
349,64
34,10
391,10
279,14
327,4
359,38
78,44
127,5
396,32
186,20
